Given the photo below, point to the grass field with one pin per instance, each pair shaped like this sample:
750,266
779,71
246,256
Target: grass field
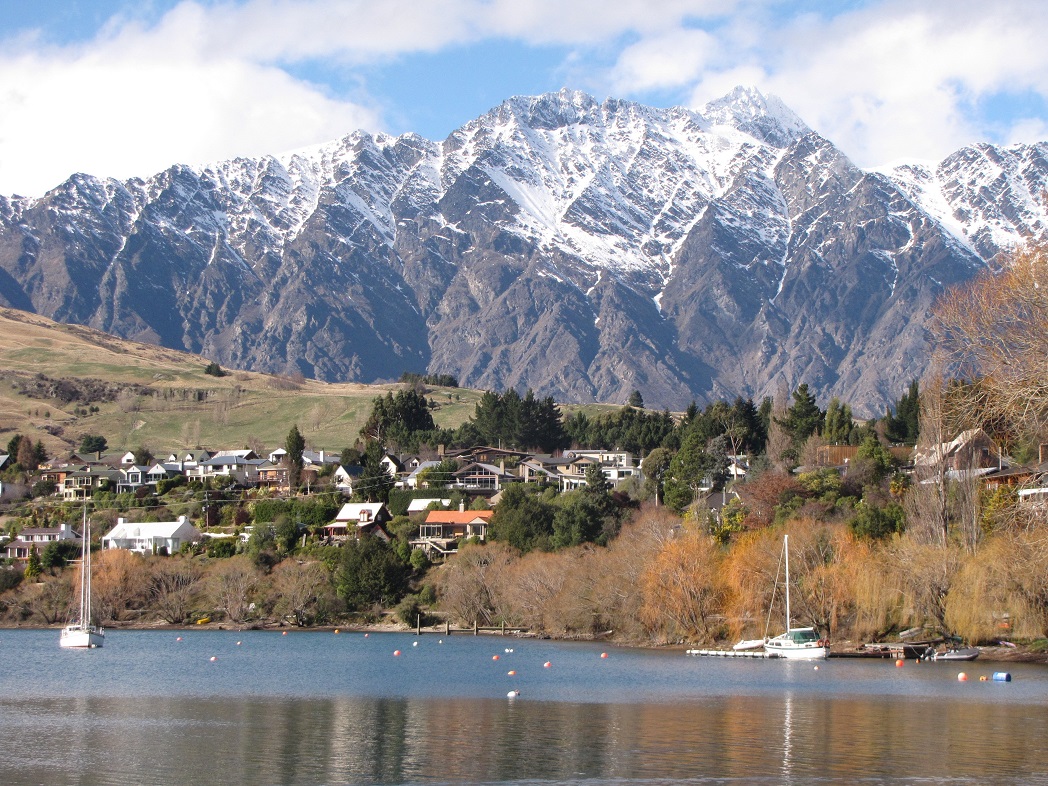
184,407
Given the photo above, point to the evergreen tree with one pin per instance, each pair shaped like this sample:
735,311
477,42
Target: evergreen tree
839,424
371,573
655,466
803,418
33,568
523,520
93,443
294,445
903,425
635,400
693,466
12,446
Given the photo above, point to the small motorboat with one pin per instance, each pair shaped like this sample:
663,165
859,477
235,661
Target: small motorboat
748,644
954,653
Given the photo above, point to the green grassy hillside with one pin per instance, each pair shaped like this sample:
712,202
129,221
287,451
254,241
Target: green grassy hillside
59,382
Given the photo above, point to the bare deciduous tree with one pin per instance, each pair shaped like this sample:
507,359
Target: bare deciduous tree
231,585
995,331
303,588
173,584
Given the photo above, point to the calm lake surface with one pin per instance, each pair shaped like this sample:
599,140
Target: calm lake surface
323,708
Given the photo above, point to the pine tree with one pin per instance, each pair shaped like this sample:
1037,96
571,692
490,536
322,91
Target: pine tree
294,445
33,568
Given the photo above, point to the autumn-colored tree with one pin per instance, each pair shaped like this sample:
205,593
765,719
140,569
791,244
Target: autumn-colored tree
924,574
763,495
119,584
682,589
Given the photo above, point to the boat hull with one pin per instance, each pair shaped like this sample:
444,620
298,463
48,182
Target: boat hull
968,653
78,637
749,644
797,653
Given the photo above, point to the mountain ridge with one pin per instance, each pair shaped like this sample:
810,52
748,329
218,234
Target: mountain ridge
580,248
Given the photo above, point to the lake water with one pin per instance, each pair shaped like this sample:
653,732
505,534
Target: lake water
323,708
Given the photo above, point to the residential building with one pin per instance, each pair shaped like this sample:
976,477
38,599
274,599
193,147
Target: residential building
154,537
359,518
38,538
443,529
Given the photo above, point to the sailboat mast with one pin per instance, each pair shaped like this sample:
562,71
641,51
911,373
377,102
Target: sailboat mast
86,602
786,548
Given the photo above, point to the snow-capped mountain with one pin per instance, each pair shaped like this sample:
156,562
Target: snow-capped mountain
579,248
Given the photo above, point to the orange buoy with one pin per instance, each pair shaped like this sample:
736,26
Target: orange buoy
962,677
898,663
511,673
284,633
337,630
494,657
396,653
547,665
604,655
179,639
213,658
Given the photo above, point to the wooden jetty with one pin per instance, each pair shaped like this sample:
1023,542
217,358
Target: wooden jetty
476,630
893,649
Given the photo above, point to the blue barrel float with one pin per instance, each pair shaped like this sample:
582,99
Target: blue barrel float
1002,676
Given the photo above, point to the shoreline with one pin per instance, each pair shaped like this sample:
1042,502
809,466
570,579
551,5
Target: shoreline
997,653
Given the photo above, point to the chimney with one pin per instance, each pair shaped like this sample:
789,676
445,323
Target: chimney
462,506
322,456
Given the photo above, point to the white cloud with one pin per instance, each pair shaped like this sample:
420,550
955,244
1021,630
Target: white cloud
884,79
668,60
111,113
896,79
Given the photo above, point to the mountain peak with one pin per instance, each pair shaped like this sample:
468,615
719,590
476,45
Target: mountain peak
553,110
765,117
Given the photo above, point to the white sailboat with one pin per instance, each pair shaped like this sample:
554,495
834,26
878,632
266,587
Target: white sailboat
795,643
81,632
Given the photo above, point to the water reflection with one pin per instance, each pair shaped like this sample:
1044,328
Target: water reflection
791,739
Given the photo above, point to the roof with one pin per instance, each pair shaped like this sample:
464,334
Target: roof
419,505
230,460
146,529
458,516
45,531
351,510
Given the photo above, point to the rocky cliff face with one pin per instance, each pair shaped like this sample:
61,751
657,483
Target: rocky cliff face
578,248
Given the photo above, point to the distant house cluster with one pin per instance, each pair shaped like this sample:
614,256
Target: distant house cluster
477,472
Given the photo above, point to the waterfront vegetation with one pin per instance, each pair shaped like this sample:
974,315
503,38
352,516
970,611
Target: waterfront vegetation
689,554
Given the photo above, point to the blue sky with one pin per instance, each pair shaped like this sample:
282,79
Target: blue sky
120,88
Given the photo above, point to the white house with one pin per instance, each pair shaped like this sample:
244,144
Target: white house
151,537
346,477
38,537
359,518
